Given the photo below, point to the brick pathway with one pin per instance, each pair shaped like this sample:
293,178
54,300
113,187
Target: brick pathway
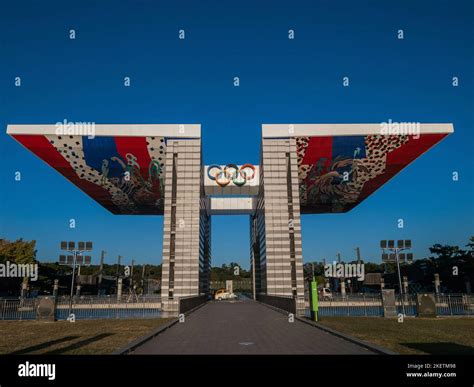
245,327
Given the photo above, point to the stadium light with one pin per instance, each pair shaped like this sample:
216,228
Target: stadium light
76,259
396,256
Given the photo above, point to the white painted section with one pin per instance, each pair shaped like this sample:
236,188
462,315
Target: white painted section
125,130
232,206
312,130
211,188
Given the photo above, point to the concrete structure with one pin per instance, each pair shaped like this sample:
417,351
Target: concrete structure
159,169
276,250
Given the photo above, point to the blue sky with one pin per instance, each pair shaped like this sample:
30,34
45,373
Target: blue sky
281,81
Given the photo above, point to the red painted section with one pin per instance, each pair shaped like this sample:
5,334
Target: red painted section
318,147
42,148
414,148
136,146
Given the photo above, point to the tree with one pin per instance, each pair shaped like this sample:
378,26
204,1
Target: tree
20,251
471,245
454,265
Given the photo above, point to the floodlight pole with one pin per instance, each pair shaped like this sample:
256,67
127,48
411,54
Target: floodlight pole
71,248
401,245
72,281
74,263
101,270
400,280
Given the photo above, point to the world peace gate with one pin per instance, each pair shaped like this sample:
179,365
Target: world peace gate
159,170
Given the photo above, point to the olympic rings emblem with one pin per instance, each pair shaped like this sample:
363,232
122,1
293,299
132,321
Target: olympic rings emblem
231,173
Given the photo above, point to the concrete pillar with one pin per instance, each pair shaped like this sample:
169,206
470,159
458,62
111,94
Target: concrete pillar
389,303
101,269
24,289
437,283
186,225
56,288
382,284
405,284
78,290
343,287
254,256
468,286
258,273
229,285
279,201
119,289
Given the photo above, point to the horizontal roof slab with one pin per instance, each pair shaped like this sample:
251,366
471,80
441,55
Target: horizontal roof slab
311,130
116,130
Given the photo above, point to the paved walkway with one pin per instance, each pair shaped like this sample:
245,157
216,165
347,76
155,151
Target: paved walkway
245,327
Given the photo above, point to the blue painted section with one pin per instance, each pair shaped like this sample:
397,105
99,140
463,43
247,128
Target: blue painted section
97,150
352,147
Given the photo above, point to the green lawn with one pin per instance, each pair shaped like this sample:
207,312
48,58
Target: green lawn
413,336
83,337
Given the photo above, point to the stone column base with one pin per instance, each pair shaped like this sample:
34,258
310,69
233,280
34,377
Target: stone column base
170,307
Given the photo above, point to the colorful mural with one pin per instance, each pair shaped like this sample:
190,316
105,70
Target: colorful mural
337,172
123,174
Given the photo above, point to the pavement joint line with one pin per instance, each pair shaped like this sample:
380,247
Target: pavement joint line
372,347
141,340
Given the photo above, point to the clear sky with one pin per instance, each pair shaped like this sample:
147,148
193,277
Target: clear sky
281,81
